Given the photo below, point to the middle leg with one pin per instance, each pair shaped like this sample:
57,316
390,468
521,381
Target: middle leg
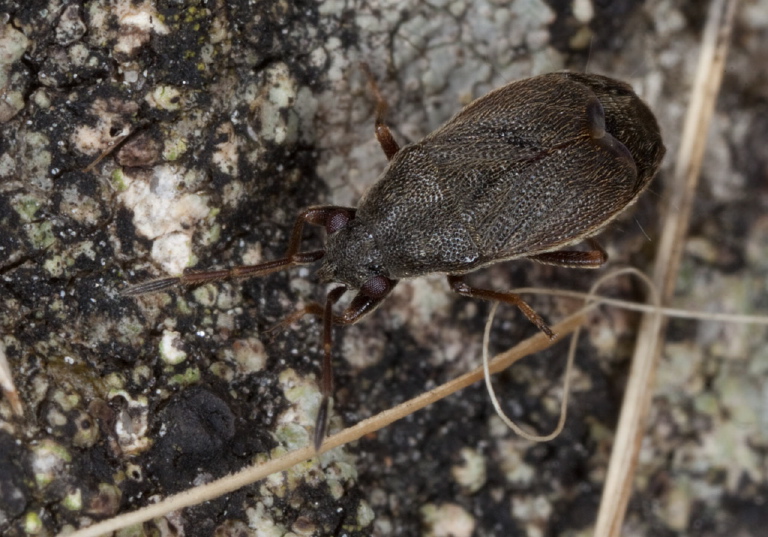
461,287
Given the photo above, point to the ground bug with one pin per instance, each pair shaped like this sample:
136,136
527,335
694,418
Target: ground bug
532,167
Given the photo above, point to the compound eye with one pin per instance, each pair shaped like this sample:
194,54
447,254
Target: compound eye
338,220
376,287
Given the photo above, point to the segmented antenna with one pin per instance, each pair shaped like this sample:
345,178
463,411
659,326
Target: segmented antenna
151,286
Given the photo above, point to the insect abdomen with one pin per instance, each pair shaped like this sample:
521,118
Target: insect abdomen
531,167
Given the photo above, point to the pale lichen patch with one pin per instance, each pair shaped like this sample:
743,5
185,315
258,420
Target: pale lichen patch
162,211
173,252
226,154
447,520
137,23
171,348
471,473
112,124
279,123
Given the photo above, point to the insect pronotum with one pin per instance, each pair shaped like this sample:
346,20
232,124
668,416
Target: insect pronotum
527,170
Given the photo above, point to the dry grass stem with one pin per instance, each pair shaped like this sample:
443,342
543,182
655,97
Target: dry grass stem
637,398
677,313
258,472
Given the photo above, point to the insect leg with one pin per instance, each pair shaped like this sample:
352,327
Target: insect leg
461,287
316,216
383,134
360,306
326,379
594,258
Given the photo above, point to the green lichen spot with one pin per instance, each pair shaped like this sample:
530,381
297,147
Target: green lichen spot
211,235
190,376
167,98
32,523
173,148
118,179
292,436
55,265
222,371
26,207
87,432
49,459
141,374
40,234
137,530
365,514
114,382
73,501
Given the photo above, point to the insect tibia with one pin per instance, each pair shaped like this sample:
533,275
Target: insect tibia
321,423
152,286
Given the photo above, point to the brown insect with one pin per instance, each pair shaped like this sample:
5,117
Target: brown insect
532,167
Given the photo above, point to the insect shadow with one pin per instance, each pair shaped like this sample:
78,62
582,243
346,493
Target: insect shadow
533,167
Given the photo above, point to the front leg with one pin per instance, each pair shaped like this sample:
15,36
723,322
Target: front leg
360,307
370,296
373,292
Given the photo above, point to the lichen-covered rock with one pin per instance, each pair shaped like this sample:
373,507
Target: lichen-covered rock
140,138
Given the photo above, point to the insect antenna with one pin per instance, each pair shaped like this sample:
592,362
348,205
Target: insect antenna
196,277
317,216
